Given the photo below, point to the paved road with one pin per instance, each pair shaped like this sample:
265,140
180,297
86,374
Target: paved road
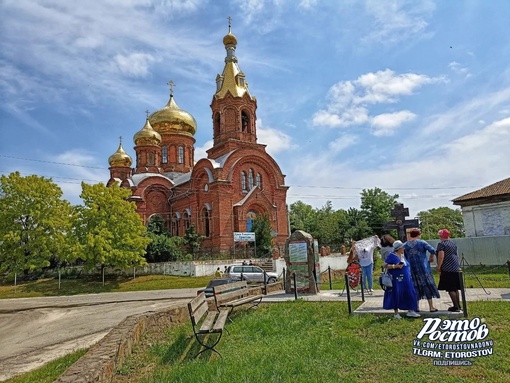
34,331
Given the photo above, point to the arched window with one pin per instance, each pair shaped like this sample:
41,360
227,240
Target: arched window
187,221
243,181
180,155
175,225
258,180
151,158
206,222
164,154
245,122
250,217
216,124
250,179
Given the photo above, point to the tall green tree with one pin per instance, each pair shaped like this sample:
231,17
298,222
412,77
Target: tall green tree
108,229
303,217
433,220
376,206
353,226
192,240
328,219
34,221
262,229
162,247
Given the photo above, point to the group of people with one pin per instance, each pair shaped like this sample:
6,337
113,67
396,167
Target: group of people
410,269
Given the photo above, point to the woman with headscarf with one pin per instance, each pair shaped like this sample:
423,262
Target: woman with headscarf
386,245
421,274
448,268
402,294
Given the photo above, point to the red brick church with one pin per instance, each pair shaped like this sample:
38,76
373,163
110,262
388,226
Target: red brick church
220,194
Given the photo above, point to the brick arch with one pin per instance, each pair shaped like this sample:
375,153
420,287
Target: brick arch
271,176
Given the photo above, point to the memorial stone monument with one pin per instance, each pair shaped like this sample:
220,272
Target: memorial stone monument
302,258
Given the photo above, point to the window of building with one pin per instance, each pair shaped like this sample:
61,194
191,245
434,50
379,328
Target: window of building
250,217
243,181
164,154
216,124
187,220
180,155
206,222
175,225
245,120
258,180
151,158
250,179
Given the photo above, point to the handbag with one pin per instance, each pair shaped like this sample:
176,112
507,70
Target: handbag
386,280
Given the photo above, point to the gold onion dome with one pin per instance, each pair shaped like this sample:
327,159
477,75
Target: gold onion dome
229,39
147,136
172,119
120,158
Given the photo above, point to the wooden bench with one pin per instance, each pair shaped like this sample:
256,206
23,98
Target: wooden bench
206,323
236,294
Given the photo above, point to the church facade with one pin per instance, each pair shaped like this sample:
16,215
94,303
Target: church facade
221,194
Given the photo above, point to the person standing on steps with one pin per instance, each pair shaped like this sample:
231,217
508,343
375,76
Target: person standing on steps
416,252
448,268
402,294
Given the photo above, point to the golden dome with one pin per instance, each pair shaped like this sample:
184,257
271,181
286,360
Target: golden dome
229,39
147,136
120,158
172,119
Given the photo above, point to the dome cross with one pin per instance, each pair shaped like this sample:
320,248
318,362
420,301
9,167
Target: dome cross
171,84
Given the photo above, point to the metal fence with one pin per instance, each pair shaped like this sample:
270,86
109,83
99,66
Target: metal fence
482,250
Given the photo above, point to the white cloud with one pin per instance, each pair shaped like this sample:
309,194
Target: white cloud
342,143
465,114
457,68
445,173
398,20
349,100
384,86
134,64
386,123
307,4
201,151
276,140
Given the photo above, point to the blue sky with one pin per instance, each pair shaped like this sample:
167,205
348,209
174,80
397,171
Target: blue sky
412,97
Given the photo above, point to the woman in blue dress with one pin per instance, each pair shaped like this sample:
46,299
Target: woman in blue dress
402,295
421,274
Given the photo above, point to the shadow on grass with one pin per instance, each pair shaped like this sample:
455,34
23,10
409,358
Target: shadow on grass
186,347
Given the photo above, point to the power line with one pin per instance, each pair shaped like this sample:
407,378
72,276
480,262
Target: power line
294,186
52,162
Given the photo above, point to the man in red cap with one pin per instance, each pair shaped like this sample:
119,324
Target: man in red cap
448,268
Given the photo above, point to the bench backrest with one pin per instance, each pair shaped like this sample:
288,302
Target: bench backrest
230,287
197,307
225,293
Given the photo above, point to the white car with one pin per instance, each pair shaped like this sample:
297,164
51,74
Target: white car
250,273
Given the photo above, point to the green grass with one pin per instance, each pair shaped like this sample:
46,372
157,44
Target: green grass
315,342
94,285
50,371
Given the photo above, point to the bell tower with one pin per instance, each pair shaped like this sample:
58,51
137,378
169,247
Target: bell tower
233,107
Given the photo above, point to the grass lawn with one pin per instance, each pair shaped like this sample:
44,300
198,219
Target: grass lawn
49,372
94,285
314,342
